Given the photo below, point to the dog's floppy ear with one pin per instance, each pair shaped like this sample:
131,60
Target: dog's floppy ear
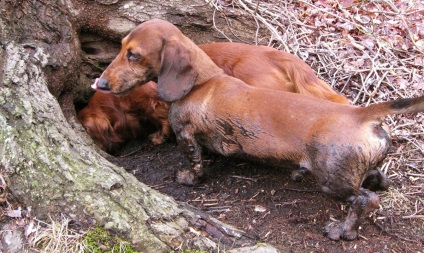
176,76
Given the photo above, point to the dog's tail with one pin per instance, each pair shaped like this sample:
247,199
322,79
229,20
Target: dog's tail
407,105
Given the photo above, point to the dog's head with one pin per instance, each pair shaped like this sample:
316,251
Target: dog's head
98,127
154,49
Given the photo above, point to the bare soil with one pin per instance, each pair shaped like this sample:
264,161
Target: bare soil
264,202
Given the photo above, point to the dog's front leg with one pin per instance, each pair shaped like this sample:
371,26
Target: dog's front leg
366,202
193,150
298,173
162,134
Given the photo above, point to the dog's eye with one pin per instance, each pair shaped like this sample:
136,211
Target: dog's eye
132,56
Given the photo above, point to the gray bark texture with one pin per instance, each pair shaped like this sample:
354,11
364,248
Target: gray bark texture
47,49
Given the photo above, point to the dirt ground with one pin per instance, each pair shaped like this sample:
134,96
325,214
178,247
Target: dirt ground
264,202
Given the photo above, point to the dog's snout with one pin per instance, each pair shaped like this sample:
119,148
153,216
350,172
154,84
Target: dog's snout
103,84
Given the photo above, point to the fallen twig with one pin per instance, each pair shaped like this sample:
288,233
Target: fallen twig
245,178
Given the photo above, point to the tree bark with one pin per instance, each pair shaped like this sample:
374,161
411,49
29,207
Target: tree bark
48,51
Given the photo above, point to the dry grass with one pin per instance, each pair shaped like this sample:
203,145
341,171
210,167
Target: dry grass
370,51
57,236
54,237
4,185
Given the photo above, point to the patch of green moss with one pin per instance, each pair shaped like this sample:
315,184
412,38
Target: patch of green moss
99,240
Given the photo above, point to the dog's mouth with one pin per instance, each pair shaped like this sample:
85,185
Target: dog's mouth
125,92
95,87
133,85
129,90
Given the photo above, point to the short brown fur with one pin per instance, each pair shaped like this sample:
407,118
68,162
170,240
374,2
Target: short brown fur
259,66
339,144
112,120
267,67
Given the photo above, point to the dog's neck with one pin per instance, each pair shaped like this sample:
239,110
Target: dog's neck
203,65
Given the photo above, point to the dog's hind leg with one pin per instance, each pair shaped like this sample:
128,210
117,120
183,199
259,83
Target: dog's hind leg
376,181
193,150
366,202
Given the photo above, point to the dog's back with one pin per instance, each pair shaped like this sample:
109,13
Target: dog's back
254,122
106,123
267,67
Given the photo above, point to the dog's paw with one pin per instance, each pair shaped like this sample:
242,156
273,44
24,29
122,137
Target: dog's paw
335,231
350,235
157,138
186,177
298,174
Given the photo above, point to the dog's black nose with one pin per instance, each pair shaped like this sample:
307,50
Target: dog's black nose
103,84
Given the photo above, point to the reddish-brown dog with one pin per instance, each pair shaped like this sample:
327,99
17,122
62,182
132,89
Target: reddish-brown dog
267,67
339,144
259,66
112,120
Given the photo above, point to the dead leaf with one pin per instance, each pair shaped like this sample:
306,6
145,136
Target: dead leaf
30,228
420,44
367,42
363,19
319,23
346,26
376,21
348,68
15,213
401,83
354,43
358,63
420,28
260,209
321,3
419,85
347,3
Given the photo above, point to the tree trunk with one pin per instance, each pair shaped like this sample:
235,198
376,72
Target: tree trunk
51,164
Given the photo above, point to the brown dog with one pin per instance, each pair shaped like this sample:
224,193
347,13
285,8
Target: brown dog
339,144
112,120
259,66
267,67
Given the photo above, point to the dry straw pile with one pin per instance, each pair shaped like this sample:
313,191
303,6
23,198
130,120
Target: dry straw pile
370,51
